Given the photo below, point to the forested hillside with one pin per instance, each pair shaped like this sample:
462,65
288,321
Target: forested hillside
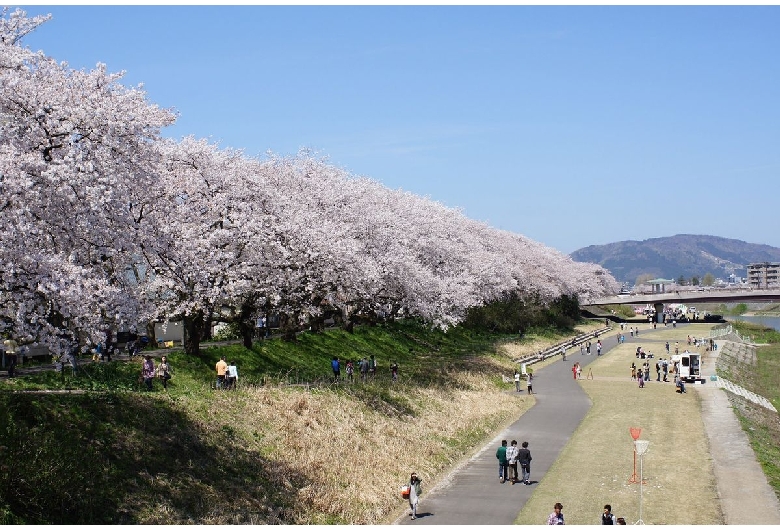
681,255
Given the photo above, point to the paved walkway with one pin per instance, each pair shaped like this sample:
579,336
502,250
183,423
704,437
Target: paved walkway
745,495
470,496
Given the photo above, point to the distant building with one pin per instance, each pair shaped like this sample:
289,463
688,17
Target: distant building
763,275
659,285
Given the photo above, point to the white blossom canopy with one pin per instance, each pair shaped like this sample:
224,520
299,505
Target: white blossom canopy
106,223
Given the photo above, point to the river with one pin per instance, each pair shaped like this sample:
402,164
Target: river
770,322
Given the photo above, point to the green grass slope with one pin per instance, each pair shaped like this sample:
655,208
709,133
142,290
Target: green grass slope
94,448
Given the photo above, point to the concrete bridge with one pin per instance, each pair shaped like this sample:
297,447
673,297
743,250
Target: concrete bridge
658,300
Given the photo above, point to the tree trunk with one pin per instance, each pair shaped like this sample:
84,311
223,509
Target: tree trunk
317,323
288,325
246,324
150,332
207,329
247,333
193,325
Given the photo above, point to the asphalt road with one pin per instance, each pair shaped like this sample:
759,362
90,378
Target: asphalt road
473,494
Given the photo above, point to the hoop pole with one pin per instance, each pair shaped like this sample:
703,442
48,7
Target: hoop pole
641,473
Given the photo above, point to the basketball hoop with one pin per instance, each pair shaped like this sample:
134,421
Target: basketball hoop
635,432
640,448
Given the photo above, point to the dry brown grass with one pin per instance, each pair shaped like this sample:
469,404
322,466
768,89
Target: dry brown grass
597,463
349,458
534,344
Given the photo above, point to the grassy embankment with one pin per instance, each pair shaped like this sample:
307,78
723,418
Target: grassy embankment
595,466
105,452
761,425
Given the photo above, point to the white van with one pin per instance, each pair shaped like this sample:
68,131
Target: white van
689,366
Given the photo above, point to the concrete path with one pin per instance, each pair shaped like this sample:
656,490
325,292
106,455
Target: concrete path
472,494
745,495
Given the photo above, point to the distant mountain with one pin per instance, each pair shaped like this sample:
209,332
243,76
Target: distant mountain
681,255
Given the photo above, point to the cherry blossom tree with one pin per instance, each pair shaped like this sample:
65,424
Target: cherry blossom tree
107,223
74,151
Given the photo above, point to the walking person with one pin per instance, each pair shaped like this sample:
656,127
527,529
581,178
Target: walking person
665,368
579,371
517,381
394,371
511,458
598,348
502,462
147,371
529,383
372,367
336,367
415,490
10,346
164,370
524,459
557,516
350,371
231,376
574,370
221,368
363,369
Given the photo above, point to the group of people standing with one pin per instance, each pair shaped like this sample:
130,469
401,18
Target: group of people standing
529,376
662,366
367,368
149,371
509,457
585,348
576,371
227,374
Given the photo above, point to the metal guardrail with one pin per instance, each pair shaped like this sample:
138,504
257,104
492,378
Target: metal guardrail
729,330
555,349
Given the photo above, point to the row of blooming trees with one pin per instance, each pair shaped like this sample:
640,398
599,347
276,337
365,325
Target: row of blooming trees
106,222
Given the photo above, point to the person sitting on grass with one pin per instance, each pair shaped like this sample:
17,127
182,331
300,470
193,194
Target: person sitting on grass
678,382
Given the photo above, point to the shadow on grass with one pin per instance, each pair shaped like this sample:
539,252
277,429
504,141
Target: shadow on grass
126,459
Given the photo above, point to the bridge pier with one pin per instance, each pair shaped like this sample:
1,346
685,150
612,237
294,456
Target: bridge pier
659,312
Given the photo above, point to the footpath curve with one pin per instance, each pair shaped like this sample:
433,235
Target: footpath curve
472,494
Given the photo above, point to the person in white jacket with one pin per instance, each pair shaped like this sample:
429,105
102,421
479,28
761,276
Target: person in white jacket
511,458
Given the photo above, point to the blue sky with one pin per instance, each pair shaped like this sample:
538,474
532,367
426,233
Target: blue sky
571,125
